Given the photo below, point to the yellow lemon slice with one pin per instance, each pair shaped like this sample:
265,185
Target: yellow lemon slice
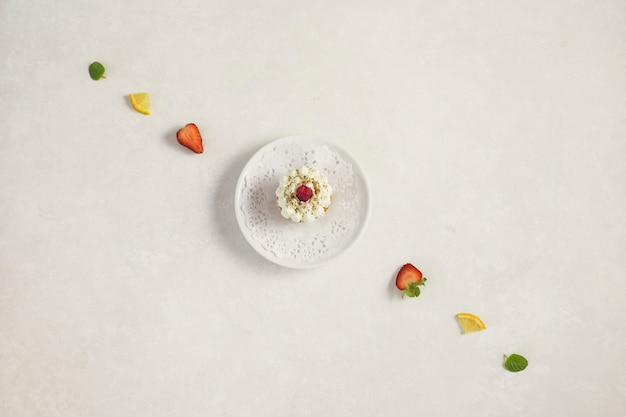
140,102
470,323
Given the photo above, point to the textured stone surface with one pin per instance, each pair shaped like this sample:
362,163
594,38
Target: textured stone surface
493,134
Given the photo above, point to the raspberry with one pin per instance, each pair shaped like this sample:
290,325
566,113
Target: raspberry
304,193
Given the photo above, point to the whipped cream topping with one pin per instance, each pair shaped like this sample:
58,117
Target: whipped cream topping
303,211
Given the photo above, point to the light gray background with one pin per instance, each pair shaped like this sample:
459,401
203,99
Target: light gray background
493,135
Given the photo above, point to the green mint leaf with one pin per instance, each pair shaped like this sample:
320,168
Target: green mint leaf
96,71
515,362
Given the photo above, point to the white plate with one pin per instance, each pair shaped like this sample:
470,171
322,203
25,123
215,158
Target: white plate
300,245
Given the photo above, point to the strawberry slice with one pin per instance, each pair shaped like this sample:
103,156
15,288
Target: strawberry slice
409,279
189,137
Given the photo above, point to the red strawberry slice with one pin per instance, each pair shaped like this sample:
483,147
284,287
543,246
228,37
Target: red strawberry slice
304,193
409,279
189,137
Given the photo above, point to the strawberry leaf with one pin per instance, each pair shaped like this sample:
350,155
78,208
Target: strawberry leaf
413,290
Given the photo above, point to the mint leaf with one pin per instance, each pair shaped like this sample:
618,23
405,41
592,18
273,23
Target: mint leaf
96,71
515,362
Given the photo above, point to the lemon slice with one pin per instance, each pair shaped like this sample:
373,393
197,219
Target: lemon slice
470,323
140,102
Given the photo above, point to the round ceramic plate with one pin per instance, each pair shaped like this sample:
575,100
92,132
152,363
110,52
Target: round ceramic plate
301,245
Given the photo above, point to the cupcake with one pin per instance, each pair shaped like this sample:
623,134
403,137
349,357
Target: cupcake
303,195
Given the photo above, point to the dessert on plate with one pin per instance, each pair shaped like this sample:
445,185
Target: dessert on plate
303,195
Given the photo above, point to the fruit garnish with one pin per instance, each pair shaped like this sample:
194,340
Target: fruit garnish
96,71
140,102
515,362
189,137
304,193
409,279
470,323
